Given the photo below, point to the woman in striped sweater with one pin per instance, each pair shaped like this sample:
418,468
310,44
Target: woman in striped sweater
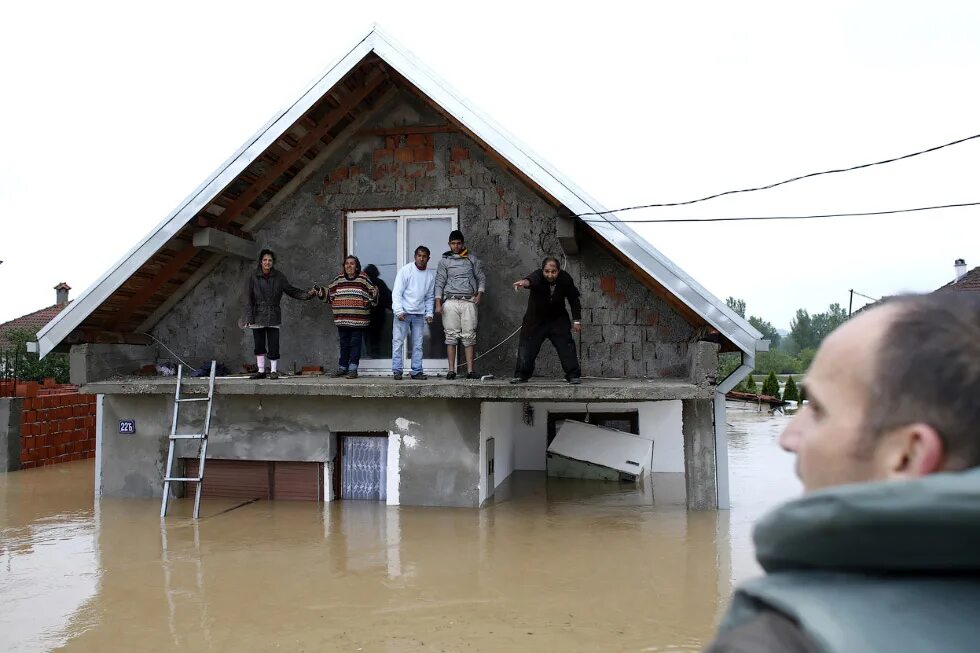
351,296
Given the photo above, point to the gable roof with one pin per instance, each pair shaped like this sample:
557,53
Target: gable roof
283,153
969,281
31,322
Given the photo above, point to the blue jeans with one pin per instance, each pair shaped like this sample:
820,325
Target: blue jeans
350,348
414,322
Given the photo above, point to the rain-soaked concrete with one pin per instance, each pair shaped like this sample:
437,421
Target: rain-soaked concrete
553,565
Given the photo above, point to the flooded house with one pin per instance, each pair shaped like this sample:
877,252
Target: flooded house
375,157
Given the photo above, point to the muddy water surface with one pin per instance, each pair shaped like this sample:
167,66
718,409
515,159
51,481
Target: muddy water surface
554,565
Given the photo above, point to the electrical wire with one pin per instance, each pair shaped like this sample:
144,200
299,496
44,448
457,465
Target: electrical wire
785,181
183,362
874,299
788,217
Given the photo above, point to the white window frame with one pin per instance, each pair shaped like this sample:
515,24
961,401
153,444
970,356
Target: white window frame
375,365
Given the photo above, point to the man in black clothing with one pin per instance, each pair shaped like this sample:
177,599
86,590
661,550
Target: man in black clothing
546,317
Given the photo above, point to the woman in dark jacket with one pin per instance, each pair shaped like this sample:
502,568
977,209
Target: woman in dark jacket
262,314
546,318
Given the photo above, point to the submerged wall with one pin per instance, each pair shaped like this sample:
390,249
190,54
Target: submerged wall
438,444
628,331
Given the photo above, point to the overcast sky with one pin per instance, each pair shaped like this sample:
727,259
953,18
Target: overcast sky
113,113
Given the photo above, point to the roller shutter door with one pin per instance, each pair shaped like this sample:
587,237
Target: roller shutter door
258,479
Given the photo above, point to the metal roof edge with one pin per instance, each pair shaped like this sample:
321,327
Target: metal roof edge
664,271
667,273
65,322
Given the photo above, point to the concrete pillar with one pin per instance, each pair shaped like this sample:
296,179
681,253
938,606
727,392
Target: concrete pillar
699,453
10,411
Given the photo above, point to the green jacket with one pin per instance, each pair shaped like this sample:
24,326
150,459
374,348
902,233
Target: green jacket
889,566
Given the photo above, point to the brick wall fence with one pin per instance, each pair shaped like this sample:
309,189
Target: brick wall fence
57,423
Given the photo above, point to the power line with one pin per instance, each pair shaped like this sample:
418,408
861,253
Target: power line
792,217
785,181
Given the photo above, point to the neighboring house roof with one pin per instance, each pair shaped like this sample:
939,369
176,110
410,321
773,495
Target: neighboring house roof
32,322
969,281
132,295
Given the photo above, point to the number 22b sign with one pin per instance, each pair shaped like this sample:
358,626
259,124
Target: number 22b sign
127,426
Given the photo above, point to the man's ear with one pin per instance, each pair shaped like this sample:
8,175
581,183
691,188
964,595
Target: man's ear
913,450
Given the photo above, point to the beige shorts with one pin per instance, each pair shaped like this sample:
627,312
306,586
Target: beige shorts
459,321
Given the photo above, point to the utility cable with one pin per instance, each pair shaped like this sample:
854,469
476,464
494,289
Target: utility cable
183,362
463,364
787,217
786,181
874,299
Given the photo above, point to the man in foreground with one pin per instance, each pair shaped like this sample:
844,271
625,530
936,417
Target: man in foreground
883,551
412,301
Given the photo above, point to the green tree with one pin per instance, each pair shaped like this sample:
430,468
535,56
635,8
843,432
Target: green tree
777,362
29,368
750,385
770,386
801,328
737,305
790,393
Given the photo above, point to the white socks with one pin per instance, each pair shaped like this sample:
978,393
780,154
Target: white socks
275,364
260,363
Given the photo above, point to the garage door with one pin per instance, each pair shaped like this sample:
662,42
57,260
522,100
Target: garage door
259,479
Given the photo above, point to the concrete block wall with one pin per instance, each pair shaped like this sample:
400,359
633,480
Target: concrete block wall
628,331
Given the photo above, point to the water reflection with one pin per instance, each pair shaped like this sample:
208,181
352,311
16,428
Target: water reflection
554,564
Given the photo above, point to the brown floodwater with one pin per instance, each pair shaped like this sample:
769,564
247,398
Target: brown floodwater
554,565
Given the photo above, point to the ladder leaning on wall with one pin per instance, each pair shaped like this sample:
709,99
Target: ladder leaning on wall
168,476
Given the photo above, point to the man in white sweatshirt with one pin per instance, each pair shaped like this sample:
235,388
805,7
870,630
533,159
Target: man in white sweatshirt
412,301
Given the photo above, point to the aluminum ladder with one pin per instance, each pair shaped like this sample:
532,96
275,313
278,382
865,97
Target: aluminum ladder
168,476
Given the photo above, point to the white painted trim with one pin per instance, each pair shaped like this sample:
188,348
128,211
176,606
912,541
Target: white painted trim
328,495
99,416
393,479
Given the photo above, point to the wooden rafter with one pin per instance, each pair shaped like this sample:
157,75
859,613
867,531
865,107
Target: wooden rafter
288,159
237,207
409,129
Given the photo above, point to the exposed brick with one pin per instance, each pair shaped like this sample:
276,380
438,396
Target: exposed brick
425,153
405,154
415,139
383,156
338,175
390,142
458,154
414,170
600,316
504,211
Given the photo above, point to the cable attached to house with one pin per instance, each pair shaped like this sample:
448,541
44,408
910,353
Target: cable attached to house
785,181
182,361
463,364
785,217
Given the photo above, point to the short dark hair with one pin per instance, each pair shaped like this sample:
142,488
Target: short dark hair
269,252
456,234
372,271
357,263
550,259
422,248
927,369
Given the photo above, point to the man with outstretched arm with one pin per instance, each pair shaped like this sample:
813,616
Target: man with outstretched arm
546,318
460,285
